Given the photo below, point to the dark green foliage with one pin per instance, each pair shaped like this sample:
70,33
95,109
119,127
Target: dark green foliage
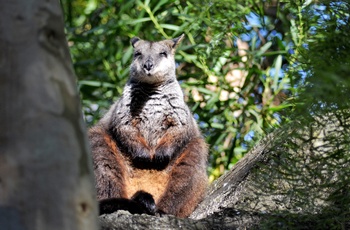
308,175
232,64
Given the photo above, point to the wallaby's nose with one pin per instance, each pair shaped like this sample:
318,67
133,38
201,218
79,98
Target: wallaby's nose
148,65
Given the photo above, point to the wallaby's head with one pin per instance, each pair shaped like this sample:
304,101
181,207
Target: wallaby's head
153,62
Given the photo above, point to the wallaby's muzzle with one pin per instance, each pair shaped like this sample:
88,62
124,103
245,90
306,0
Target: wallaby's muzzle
148,65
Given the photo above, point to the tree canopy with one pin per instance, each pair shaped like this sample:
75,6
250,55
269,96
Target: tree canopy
246,67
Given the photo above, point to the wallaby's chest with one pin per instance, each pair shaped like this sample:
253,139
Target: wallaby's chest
156,117
152,111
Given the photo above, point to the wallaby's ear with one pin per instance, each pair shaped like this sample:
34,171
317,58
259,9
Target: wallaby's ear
177,41
134,40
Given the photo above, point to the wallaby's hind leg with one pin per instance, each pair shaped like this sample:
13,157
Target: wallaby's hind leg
109,166
188,181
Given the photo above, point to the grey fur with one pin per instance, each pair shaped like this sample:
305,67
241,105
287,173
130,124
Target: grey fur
152,96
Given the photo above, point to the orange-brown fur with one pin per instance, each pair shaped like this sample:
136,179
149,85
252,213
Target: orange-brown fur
157,182
151,181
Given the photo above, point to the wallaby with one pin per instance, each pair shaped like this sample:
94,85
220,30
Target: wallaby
148,153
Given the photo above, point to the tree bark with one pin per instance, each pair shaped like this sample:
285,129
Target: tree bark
46,177
295,178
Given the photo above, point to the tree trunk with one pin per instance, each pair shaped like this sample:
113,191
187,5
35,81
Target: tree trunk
46,177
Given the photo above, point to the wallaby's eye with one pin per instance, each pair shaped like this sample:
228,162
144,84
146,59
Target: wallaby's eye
137,54
163,54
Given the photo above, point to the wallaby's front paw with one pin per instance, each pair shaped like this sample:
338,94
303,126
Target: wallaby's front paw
141,159
162,156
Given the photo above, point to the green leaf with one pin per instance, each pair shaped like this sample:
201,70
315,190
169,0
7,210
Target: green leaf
264,48
137,21
217,125
160,3
205,91
127,55
96,84
170,27
278,65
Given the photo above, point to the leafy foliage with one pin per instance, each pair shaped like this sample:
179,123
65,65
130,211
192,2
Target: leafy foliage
237,68
232,66
308,175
